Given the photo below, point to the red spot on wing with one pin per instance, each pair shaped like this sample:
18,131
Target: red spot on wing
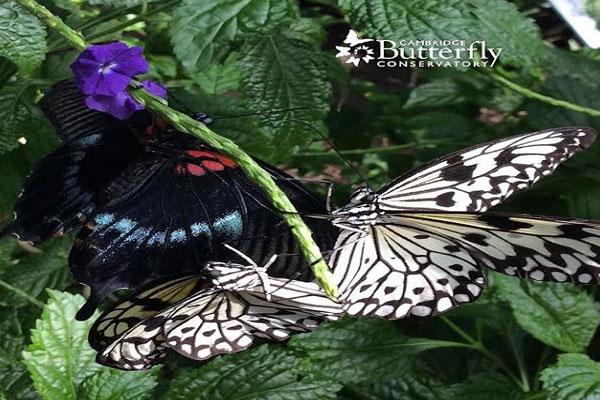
213,165
194,169
213,160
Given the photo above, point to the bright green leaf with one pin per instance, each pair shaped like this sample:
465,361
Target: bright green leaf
363,349
22,37
574,377
204,29
59,357
263,373
561,315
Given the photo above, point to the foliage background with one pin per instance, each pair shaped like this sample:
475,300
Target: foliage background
229,57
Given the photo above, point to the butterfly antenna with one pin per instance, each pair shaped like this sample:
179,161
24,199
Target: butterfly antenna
332,147
242,255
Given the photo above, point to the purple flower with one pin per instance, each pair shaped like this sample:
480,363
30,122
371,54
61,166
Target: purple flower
120,106
107,69
155,88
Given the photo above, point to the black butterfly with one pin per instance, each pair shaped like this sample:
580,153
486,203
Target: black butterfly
152,202
419,245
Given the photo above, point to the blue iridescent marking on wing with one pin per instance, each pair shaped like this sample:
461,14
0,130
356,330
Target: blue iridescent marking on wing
230,223
158,237
124,225
200,228
89,140
103,220
178,236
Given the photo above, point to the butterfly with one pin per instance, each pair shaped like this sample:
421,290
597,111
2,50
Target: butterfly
150,202
419,245
199,320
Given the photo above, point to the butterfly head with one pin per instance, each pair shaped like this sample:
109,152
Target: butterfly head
362,209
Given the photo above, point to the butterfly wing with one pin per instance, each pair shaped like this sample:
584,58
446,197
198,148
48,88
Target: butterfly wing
395,269
62,187
482,176
169,212
213,321
538,248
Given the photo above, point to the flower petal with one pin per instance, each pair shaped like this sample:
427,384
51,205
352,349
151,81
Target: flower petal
120,106
155,88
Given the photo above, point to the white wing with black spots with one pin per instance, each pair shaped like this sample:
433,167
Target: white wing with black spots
396,269
480,177
214,321
538,248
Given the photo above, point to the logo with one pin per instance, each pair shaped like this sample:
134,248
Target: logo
385,53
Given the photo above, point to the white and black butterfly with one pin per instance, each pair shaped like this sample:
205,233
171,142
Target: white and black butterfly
200,321
418,246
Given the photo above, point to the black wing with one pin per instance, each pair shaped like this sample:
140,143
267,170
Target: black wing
171,211
62,187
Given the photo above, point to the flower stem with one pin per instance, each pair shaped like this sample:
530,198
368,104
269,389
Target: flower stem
184,123
540,97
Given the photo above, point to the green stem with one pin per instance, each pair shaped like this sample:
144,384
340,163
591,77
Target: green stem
21,293
184,123
540,97
476,345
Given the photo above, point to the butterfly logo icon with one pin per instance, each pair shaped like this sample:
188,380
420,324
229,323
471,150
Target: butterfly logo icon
356,50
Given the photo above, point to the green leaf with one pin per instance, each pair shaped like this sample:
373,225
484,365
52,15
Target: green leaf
411,386
219,78
15,382
483,386
32,273
22,37
498,23
439,93
559,314
14,115
59,357
573,377
282,73
111,384
263,373
204,29
362,349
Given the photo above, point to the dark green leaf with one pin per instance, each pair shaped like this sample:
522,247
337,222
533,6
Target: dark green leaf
271,68
363,349
264,373
33,272
22,37
203,29
14,115
15,382
561,315
439,93
111,384
411,386
483,386
574,377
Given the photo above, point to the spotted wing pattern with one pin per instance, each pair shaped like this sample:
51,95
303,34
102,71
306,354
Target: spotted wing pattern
395,269
232,276
213,321
538,248
480,177
426,263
